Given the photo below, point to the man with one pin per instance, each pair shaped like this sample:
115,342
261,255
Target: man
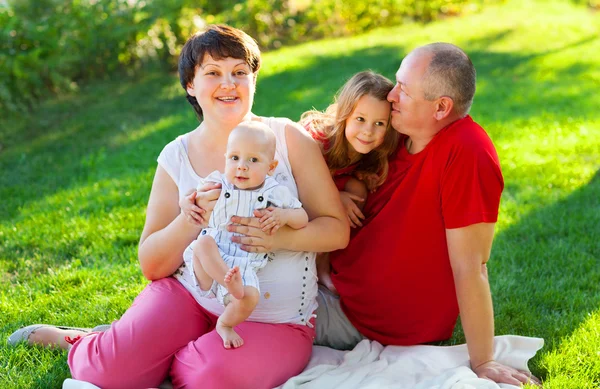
421,254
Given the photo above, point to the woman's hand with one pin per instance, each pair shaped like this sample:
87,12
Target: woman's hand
255,240
352,211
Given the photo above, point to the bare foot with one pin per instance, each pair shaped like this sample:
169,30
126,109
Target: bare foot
233,283
325,280
53,337
229,336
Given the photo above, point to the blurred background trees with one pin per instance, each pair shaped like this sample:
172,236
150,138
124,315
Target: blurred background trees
48,47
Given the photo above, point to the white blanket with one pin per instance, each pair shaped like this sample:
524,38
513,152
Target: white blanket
372,366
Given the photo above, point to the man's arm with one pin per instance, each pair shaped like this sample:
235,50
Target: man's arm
469,249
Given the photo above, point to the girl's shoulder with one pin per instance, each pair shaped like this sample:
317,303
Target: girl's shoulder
319,126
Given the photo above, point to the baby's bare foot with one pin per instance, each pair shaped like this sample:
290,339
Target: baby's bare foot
229,336
233,283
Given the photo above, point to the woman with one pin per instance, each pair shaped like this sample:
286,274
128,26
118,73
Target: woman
168,331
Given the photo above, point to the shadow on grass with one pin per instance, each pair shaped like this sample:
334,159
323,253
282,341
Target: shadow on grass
547,266
71,144
74,143
516,89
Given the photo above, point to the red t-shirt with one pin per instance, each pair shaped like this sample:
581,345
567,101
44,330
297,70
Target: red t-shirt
394,278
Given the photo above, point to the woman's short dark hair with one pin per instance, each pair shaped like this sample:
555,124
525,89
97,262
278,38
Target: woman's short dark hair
220,42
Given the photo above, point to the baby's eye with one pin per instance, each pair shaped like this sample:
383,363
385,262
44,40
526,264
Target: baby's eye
380,124
234,157
360,119
253,159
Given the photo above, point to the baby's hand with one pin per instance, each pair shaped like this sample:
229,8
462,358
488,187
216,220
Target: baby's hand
192,212
273,219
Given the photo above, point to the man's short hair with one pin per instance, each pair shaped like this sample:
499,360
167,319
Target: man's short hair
450,73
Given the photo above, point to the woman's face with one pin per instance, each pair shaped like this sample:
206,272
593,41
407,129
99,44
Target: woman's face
224,89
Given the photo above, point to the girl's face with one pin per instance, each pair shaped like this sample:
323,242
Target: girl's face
366,126
224,89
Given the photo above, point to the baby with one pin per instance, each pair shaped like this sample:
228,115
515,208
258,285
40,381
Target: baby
222,270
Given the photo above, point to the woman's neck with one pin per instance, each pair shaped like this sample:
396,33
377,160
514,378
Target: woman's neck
214,133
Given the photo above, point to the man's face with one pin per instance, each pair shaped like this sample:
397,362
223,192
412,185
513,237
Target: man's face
411,113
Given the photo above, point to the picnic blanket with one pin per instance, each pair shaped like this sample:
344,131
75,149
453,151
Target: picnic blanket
373,366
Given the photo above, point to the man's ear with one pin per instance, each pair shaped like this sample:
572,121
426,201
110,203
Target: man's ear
272,167
443,107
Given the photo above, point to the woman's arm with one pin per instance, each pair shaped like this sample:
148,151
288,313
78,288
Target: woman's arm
167,232
328,229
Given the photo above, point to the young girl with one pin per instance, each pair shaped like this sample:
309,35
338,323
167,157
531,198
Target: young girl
356,138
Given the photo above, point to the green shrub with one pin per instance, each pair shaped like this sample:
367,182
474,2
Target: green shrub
49,46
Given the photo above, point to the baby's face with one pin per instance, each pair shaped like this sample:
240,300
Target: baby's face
248,161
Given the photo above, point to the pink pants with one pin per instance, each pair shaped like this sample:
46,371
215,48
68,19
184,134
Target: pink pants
167,333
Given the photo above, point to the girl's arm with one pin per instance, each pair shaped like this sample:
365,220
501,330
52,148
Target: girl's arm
166,232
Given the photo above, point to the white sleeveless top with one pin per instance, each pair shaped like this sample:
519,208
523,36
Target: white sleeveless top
288,283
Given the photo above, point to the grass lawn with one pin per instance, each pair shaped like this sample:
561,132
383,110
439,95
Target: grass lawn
75,177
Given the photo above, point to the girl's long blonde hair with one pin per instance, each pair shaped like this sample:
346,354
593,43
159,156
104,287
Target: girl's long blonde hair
331,125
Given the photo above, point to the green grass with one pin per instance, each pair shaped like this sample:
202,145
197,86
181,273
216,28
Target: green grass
75,177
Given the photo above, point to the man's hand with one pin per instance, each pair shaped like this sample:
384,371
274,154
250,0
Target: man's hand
503,374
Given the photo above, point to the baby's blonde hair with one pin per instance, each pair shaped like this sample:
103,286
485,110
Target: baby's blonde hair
259,130
332,125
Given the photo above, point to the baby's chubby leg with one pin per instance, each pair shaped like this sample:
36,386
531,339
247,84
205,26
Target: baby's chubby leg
209,266
235,313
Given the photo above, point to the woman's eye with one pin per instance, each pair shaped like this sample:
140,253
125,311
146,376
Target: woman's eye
380,123
240,73
360,119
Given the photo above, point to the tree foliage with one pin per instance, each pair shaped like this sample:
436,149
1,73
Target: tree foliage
50,46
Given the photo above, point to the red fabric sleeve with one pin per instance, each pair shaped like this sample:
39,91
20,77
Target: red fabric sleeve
471,185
